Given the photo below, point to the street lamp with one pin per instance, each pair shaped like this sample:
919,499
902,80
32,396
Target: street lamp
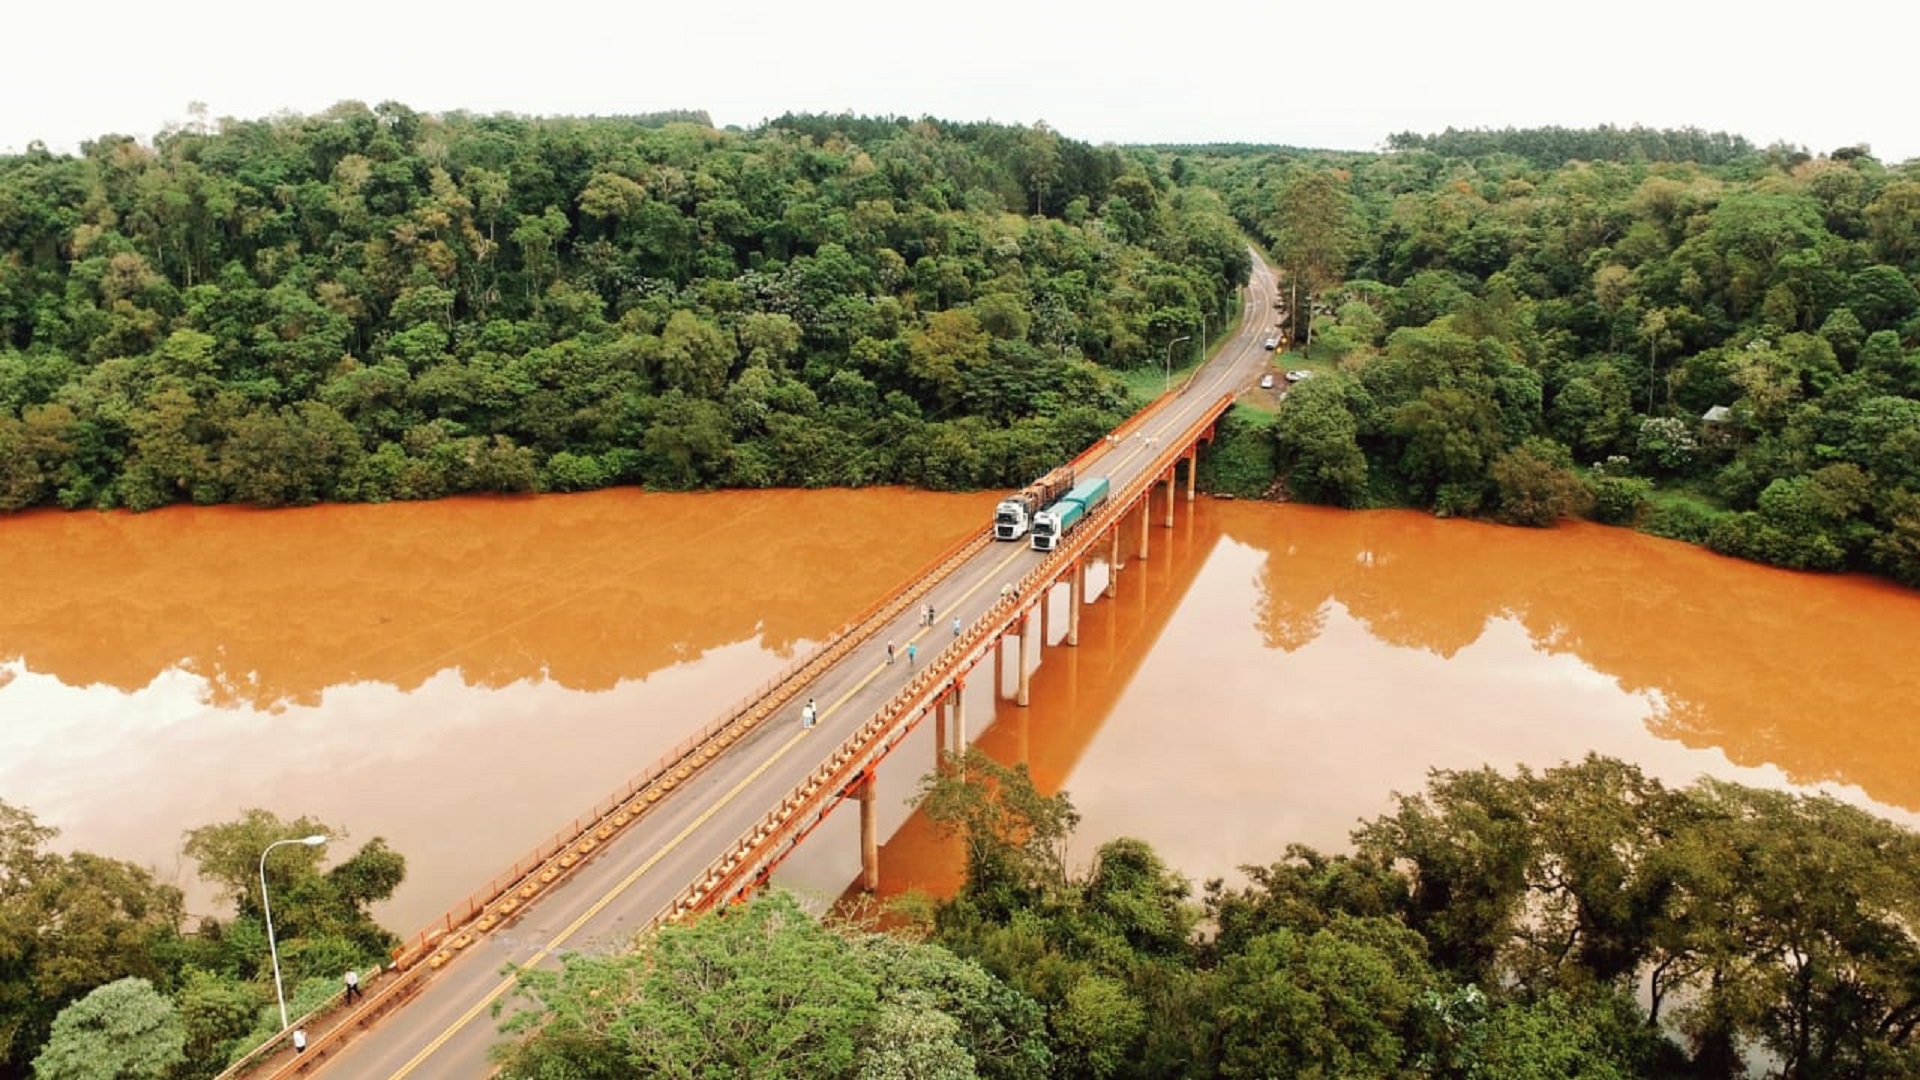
1170,345
267,910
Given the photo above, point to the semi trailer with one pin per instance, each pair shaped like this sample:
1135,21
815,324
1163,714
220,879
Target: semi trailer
1052,525
1014,516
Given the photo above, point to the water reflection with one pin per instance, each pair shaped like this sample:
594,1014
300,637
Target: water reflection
460,677
1306,663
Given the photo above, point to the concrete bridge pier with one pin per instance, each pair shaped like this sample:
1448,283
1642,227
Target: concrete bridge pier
1173,482
957,712
1076,599
999,667
1113,564
1146,517
1026,631
869,831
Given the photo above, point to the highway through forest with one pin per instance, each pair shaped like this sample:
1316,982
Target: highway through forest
447,1028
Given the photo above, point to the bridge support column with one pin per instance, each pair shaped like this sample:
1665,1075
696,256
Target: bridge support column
1173,484
869,833
1193,466
1026,631
999,660
1113,565
1046,605
1076,599
939,735
958,707
1146,516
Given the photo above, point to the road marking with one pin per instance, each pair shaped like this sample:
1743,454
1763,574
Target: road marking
599,905
432,1047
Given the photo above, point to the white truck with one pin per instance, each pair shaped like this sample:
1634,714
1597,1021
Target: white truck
1014,516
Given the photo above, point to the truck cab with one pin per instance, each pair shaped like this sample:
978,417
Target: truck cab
1010,520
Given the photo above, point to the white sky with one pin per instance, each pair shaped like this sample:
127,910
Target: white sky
1324,74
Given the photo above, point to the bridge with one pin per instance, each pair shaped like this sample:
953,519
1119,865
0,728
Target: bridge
711,821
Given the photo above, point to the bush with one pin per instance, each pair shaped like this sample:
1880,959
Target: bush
1680,520
1619,500
1240,459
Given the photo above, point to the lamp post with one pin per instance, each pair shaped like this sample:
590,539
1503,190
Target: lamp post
267,910
1170,345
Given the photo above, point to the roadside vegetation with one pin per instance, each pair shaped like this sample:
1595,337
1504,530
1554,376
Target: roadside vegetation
1672,330
375,304
104,974
1580,922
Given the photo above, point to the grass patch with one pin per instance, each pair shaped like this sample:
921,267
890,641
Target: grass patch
1681,514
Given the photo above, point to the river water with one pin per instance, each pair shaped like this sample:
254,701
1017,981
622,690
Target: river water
463,677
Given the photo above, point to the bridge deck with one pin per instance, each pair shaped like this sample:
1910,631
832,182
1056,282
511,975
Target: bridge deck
677,852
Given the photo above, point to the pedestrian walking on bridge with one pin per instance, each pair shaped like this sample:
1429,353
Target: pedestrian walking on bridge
956,626
353,987
807,714
913,650
889,652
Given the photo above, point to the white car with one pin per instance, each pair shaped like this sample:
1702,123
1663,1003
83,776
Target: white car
1299,375
1266,381
1273,343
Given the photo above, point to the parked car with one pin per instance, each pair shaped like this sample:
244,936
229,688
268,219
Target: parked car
1266,381
1299,375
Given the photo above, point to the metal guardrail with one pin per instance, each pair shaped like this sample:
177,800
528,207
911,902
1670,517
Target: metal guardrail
548,863
508,892
749,859
504,896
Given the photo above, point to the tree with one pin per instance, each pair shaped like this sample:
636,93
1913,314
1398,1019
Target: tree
124,1030
1097,1028
1535,484
1015,837
69,924
1448,436
1330,1002
1794,915
924,988
1466,845
321,918
1309,227
1319,448
758,989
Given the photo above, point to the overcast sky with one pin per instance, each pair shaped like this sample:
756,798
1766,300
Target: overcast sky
1332,75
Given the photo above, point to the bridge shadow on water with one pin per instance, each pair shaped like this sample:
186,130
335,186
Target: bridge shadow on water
1072,691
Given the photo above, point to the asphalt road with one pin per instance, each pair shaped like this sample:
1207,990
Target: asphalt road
448,1027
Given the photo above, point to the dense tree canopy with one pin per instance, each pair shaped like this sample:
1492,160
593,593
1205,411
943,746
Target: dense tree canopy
1717,343
99,976
376,304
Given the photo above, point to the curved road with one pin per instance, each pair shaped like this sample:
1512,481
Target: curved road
448,1027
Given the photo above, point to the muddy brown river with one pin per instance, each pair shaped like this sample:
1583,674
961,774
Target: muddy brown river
464,677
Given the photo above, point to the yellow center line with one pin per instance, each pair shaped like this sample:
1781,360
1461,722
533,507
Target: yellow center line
598,905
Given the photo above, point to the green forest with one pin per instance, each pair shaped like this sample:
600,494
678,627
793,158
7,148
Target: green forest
373,304
1671,330
1583,922
1674,330
1580,923
105,976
